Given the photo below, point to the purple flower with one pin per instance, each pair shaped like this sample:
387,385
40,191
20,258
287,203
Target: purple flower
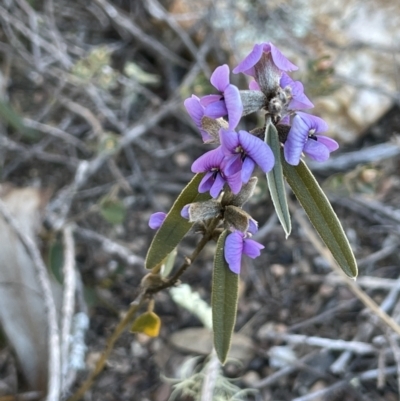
196,111
156,220
243,151
299,99
237,244
228,103
185,212
214,179
280,61
302,138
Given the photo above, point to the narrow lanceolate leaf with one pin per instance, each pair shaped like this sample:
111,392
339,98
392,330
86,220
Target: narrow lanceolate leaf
275,180
321,215
174,227
225,292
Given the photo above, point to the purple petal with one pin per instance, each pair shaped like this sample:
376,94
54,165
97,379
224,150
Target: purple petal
185,212
196,112
206,100
207,182
247,169
220,77
316,150
233,104
285,120
229,140
252,248
296,140
208,161
300,100
194,109
233,251
246,66
285,81
216,109
217,186
253,226
232,164
313,122
235,182
258,150
280,60
330,143
156,220
253,85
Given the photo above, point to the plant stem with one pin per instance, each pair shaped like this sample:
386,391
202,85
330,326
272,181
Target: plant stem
139,302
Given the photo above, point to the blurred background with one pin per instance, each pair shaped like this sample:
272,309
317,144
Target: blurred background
94,138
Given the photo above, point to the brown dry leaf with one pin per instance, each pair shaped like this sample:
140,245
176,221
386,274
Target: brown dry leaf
198,340
22,314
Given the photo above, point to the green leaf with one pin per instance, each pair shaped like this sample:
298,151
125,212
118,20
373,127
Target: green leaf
321,215
11,117
112,210
275,180
224,299
168,264
56,260
174,227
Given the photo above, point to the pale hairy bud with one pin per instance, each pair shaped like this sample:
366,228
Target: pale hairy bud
199,211
243,196
267,75
212,126
236,218
252,101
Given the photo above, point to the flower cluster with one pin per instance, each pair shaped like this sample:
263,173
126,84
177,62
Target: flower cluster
229,166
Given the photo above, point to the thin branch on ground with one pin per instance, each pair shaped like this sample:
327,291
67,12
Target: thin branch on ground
68,307
324,252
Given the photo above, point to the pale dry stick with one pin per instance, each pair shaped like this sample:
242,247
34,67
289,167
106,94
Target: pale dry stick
366,376
358,347
57,38
285,371
365,329
387,211
368,282
324,315
86,169
35,151
119,177
347,161
54,369
324,252
57,133
68,306
381,254
28,33
110,247
126,23
266,228
159,12
396,352
84,113
96,95
28,396
135,306
33,22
